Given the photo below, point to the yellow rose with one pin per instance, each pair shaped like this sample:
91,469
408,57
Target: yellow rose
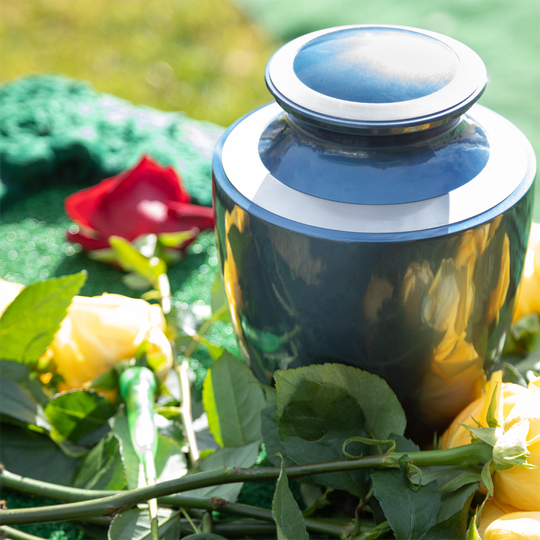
514,511
8,291
490,513
476,412
513,526
100,331
528,299
519,486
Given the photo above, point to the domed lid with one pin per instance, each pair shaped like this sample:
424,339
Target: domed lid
375,77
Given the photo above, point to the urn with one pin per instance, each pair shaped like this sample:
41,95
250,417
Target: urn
375,215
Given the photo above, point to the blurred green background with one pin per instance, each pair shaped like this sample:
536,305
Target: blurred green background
207,57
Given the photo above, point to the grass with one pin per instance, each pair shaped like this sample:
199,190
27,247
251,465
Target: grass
200,56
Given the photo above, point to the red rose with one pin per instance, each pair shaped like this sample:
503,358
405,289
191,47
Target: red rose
148,199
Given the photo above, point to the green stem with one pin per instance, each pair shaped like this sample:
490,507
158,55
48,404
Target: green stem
62,493
15,534
185,410
190,521
196,337
243,528
376,532
182,372
464,456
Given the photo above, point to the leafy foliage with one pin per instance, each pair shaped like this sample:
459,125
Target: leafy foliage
315,414
233,400
76,414
287,515
29,323
135,525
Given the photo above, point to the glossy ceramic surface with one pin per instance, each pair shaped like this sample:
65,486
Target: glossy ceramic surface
399,254
369,78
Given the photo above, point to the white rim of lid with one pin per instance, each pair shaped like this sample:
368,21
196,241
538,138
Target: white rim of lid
459,94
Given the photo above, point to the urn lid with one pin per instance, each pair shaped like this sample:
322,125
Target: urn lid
375,77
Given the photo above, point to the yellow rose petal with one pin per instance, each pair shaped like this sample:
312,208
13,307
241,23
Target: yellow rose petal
515,526
520,487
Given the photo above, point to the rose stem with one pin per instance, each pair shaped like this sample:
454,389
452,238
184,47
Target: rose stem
376,532
15,534
182,372
464,456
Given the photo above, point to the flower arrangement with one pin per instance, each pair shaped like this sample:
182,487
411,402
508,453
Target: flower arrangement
68,366
146,200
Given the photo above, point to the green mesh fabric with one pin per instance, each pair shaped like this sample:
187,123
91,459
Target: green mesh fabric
57,131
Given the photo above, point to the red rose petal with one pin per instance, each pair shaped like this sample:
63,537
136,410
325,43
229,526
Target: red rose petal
148,199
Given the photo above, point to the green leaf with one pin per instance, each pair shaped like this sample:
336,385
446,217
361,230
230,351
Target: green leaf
241,456
102,467
530,363
175,239
494,406
34,455
135,525
218,300
287,515
270,395
30,322
383,413
78,413
233,400
512,375
314,426
410,514
105,255
529,324
215,351
108,380
459,480
317,405
19,405
472,532
271,439
170,459
488,435
511,448
487,480
132,466
452,522
23,375
454,501
132,261
136,282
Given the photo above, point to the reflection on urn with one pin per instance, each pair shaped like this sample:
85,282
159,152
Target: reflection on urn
455,375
